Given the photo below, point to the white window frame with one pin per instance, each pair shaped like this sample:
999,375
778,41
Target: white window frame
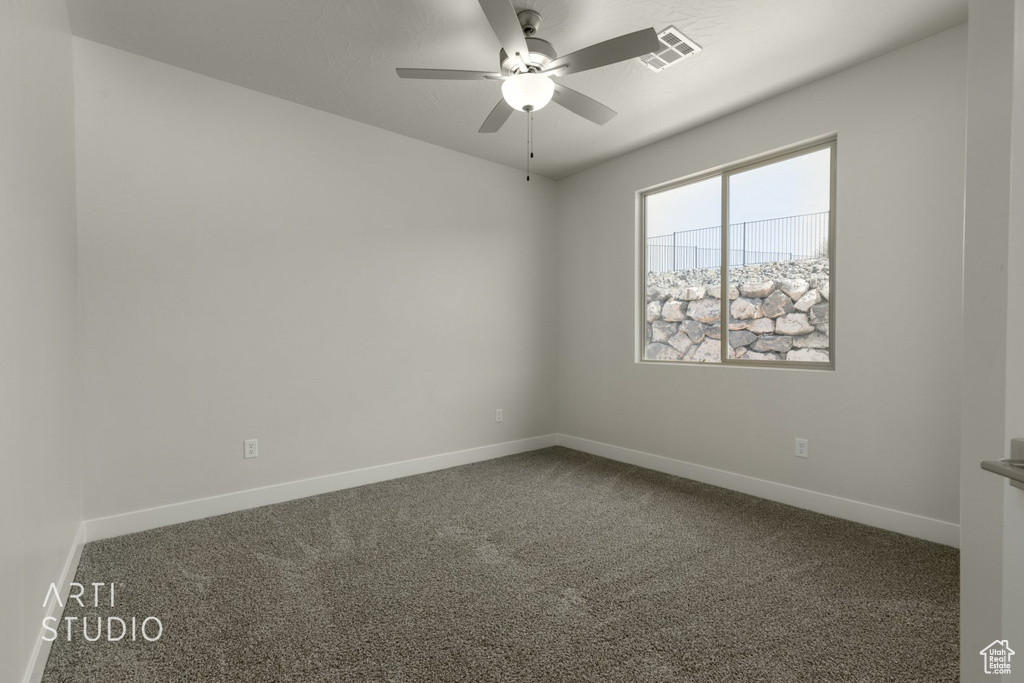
725,172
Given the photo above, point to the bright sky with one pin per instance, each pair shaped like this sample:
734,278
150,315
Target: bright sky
789,188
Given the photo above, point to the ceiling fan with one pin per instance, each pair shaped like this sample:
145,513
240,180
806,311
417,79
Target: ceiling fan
528,66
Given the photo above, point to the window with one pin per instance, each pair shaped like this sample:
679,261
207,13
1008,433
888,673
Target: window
762,291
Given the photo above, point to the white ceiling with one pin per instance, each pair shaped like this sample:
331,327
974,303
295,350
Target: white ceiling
340,56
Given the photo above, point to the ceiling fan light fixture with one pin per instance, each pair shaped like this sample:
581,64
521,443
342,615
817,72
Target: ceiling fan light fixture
527,91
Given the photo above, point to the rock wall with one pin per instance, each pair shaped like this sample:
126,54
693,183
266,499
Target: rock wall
778,311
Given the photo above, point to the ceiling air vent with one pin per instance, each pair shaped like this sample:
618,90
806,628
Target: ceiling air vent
674,48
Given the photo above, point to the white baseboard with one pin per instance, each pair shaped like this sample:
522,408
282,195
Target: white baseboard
41,650
151,518
906,523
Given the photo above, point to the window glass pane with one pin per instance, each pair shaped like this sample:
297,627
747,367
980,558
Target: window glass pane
779,260
683,257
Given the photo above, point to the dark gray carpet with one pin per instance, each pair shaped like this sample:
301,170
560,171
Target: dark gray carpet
552,565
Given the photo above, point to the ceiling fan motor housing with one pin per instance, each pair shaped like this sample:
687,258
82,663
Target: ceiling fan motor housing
530,21
541,54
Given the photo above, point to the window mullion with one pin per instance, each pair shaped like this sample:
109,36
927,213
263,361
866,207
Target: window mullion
724,273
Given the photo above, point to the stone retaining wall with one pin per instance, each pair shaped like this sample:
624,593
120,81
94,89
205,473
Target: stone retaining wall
779,311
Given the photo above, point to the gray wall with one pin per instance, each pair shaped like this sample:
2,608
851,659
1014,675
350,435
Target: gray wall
884,426
1012,597
987,188
40,485
992,512
252,268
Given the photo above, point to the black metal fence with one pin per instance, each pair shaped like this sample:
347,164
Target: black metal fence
792,238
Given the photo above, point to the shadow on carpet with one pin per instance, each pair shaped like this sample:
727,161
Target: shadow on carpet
552,565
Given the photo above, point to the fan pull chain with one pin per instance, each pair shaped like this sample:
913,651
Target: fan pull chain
531,133
529,142
529,139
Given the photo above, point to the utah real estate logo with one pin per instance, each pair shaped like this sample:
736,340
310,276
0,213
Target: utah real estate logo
997,657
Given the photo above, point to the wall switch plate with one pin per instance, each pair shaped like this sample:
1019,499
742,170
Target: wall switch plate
499,415
801,448
251,449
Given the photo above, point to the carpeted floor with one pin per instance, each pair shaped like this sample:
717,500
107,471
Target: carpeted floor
552,565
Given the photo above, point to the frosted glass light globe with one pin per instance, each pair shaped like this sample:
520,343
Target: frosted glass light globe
528,90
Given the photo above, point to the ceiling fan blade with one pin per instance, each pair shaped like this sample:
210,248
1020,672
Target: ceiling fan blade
448,74
580,104
609,52
505,24
497,118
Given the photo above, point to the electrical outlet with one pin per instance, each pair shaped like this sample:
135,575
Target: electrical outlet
251,449
499,415
801,448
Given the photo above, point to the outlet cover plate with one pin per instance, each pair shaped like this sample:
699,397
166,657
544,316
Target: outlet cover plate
251,449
